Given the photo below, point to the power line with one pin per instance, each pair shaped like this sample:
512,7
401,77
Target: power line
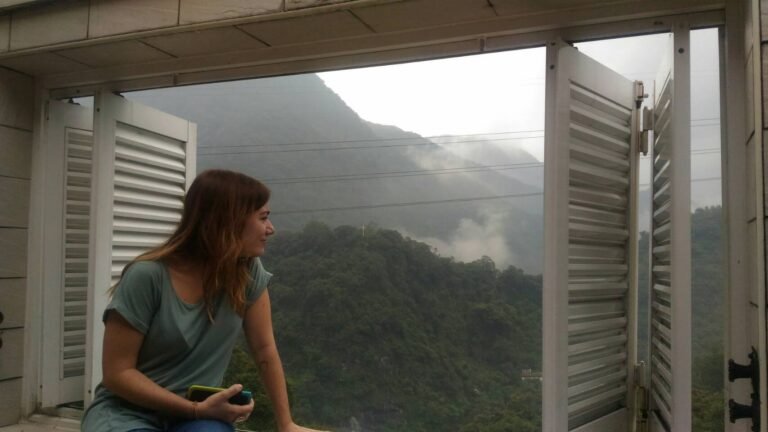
397,174
365,147
408,204
315,143
445,201
377,139
411,173
390,174
709,150
421,144
705,179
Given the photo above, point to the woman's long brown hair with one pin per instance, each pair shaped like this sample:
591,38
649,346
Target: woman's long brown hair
216,207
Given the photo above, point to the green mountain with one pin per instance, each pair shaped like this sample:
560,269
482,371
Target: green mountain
708,315
378,333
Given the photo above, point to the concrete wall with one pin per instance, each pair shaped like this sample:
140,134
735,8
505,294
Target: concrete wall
756,178
761,178
16,102
76,20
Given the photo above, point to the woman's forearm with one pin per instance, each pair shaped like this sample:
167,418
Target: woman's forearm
135,387
273,377
122,343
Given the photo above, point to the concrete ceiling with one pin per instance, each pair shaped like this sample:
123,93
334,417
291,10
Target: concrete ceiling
305,39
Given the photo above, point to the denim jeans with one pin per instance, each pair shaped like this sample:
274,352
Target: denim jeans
197,426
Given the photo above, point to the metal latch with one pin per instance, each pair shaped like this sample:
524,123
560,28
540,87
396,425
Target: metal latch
752,371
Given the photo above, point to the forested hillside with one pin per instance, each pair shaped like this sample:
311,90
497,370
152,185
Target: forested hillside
707,298
379,333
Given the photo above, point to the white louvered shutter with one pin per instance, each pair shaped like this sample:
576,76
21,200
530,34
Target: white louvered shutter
145,160
68,179
670,243
589,307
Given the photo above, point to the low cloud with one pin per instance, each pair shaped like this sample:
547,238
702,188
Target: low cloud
473,240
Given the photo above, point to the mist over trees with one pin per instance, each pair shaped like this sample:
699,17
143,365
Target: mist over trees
323,162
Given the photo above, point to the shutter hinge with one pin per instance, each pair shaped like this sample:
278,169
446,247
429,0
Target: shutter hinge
750,371
640,94
646,131
646,118
641,397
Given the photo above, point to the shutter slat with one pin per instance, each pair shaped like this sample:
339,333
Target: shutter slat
598,233
149,187
589,200
77,198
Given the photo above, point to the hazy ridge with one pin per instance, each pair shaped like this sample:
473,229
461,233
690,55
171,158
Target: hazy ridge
316,154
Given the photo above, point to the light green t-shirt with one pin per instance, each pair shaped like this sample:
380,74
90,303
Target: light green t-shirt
181,346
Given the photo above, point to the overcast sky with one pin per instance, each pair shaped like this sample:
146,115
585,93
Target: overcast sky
489,93
504,92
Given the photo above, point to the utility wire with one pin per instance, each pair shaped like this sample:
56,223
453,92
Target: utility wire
705,179
408,204
711,150
391,174
445,201
412,173
378,139
436,137
370,147
366,147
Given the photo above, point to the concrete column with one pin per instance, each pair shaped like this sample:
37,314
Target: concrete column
16,102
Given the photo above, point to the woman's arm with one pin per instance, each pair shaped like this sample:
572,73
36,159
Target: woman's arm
122,343
261,340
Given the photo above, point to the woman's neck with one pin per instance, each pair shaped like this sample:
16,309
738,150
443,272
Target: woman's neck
187,280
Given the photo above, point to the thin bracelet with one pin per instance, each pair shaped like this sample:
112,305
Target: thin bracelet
194,410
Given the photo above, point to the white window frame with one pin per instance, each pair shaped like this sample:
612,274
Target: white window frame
64,117
619,28
47,170
109,110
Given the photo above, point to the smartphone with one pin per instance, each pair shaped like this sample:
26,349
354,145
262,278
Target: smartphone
199,393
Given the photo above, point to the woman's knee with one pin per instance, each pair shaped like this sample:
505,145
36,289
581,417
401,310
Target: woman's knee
203,426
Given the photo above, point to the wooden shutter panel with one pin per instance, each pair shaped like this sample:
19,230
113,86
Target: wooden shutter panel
69,149
589,274
144,162
670,242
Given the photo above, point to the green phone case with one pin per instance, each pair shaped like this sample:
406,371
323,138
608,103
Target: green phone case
199,393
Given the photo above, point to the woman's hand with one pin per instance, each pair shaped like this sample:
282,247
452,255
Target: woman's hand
217,406
293,427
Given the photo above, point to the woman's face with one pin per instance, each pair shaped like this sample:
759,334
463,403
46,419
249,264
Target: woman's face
257,228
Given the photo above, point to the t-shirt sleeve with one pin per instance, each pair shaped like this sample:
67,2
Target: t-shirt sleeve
137,296
259,282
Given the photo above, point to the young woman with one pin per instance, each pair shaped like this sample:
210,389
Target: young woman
177,312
